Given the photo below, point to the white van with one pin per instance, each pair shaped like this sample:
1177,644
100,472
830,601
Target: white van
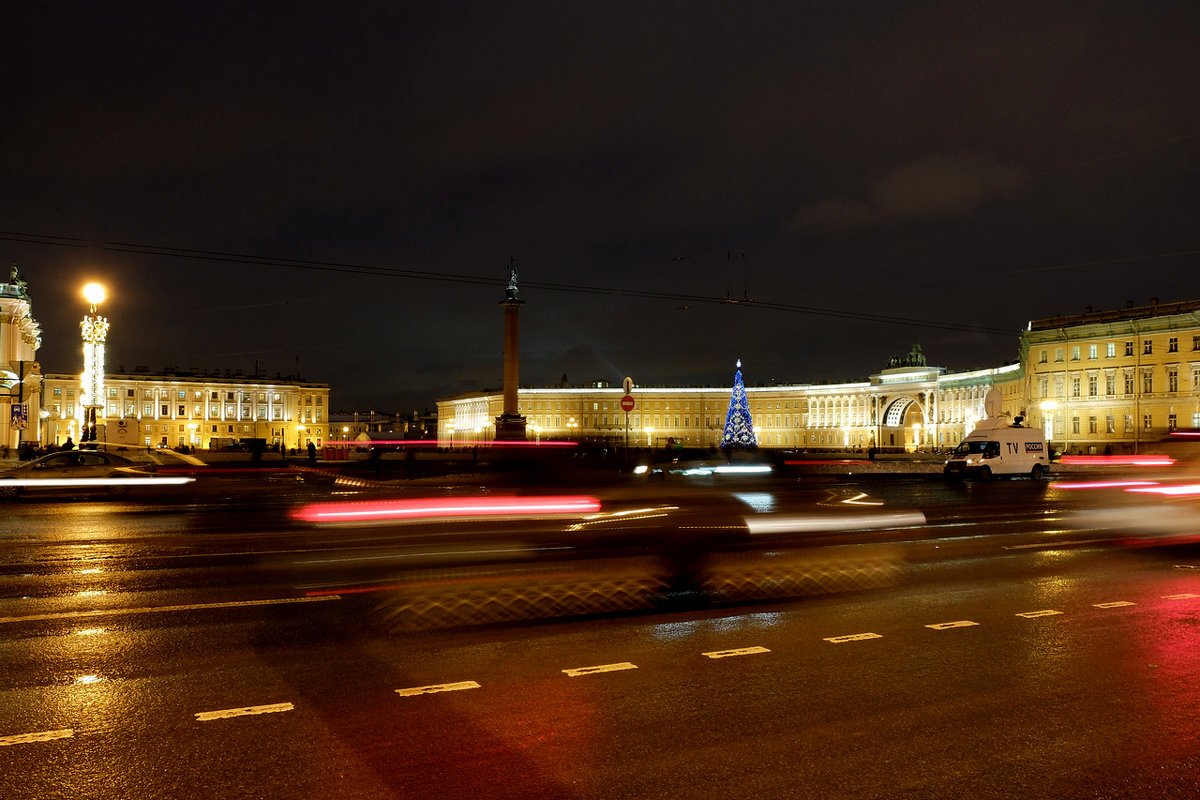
997,448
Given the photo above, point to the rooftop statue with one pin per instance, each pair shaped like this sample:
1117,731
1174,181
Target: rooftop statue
510,293
19,285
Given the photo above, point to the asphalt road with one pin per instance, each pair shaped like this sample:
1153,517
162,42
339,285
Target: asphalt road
999,650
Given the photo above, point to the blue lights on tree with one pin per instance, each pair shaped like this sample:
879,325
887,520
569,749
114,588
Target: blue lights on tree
739,428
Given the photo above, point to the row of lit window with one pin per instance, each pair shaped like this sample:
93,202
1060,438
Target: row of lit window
182,394
532,406
635,421
1110,351
1110,424
261,412
1110,383
956,395
214,412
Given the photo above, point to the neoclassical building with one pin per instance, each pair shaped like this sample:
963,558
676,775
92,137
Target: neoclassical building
1114,381
171,408
193,409
20,373
907,406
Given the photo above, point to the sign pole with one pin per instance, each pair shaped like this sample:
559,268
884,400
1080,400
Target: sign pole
627,405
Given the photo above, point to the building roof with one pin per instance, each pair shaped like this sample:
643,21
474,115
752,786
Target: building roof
167,376
1130,311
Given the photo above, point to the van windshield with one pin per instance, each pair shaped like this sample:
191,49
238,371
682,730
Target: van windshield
975,446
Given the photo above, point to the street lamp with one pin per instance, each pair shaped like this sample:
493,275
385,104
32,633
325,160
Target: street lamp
95,329
1048,408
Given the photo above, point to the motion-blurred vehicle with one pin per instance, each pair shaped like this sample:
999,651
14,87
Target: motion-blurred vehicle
149,458
73,472
1151,498
700,464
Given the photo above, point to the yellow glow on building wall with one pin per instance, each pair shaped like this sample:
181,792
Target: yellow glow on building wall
203,411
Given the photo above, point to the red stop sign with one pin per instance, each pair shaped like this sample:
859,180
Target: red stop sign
627,403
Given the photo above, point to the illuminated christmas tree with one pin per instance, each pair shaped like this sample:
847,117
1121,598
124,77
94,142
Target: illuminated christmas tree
739,428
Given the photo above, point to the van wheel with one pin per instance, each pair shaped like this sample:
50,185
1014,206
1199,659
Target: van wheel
985,473
1038,472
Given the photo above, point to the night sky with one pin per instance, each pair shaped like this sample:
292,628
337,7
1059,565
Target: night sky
338,187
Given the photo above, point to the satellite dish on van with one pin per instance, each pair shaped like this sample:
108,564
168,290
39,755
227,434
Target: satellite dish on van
992,403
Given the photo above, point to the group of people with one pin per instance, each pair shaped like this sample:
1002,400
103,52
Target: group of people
31,450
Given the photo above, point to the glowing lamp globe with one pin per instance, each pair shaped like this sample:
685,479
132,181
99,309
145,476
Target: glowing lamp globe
93,293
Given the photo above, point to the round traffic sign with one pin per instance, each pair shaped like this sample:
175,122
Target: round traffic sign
627,403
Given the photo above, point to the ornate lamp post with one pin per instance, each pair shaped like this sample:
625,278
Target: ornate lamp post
95,330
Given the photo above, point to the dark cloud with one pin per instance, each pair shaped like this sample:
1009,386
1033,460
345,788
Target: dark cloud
935,186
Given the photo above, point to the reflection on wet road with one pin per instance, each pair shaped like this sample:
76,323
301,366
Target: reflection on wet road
997,649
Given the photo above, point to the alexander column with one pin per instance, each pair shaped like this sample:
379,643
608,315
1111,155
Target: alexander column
510,426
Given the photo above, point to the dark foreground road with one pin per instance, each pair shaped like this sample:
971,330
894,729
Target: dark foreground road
161,654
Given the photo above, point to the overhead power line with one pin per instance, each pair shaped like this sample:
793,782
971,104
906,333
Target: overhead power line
411,274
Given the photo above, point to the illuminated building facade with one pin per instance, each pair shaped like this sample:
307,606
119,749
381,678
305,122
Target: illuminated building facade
20,373
205,411
1117,380
900,408
1102,381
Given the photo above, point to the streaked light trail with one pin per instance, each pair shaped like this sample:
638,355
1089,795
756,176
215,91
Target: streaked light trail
457,507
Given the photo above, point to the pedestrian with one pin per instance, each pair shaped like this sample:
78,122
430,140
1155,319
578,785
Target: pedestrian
68,444
312,452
